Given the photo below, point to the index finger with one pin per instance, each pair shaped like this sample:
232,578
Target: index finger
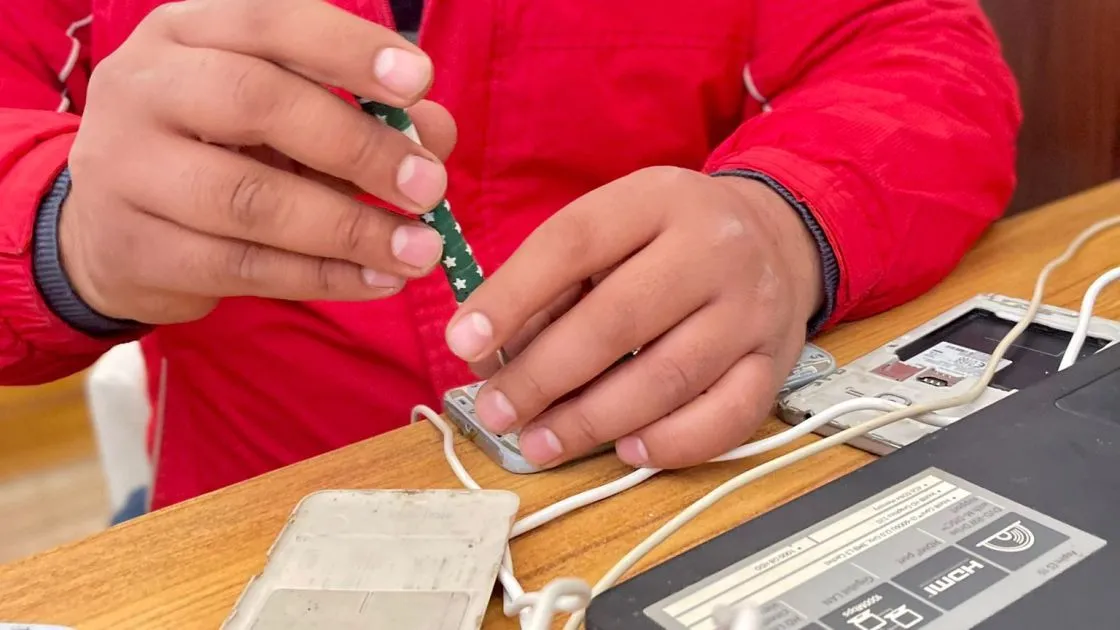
588,236
310,37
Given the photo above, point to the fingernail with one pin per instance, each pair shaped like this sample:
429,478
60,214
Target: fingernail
470,336
632,451
404,73
416,246
380,280
422,181
540,446
495,411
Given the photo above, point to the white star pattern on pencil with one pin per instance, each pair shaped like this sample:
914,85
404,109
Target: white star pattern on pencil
449,262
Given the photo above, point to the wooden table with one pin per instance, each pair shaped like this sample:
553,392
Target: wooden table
184,567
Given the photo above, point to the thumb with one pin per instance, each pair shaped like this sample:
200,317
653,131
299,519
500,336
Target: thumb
435,126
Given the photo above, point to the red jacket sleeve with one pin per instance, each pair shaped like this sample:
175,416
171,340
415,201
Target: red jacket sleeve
894,122
44,67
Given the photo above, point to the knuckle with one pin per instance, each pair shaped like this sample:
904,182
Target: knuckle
245,199
243,262
109,75
253,100
365,150
534,390
671,379
584,427
324,276
162,16
333,277
356,228
127,70
653,182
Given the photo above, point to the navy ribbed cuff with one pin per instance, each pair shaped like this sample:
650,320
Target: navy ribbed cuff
829,265
51,279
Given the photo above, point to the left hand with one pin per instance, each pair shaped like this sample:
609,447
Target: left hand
715,278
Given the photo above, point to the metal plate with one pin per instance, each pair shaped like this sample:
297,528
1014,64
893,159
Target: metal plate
940,359
382,559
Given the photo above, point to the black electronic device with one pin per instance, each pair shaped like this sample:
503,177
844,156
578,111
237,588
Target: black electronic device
1008,519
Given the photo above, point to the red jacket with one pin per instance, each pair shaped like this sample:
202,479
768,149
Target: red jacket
893,121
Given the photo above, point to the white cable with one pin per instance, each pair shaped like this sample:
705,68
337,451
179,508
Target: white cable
566,595
537,609
819,420
974,392
533,607
560,508
542,608
540,517
1085,317
572,503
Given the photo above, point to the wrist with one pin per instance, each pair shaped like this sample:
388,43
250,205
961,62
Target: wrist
794,241
53,277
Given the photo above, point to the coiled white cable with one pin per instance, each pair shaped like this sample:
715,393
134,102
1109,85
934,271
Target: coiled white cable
1085,317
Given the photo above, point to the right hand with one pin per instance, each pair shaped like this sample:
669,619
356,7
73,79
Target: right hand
210,162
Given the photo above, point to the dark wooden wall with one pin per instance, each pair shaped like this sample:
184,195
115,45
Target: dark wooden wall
1066,55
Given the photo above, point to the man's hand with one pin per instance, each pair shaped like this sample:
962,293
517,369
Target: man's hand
211,162
714,278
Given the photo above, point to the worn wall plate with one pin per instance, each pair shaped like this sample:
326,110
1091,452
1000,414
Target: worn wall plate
372,559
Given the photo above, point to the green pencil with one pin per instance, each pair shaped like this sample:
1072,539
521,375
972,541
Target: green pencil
464,275
458,262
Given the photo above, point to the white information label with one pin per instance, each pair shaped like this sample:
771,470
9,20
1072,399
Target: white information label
934,552
959,360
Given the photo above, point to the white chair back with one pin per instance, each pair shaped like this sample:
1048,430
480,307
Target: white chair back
117,394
